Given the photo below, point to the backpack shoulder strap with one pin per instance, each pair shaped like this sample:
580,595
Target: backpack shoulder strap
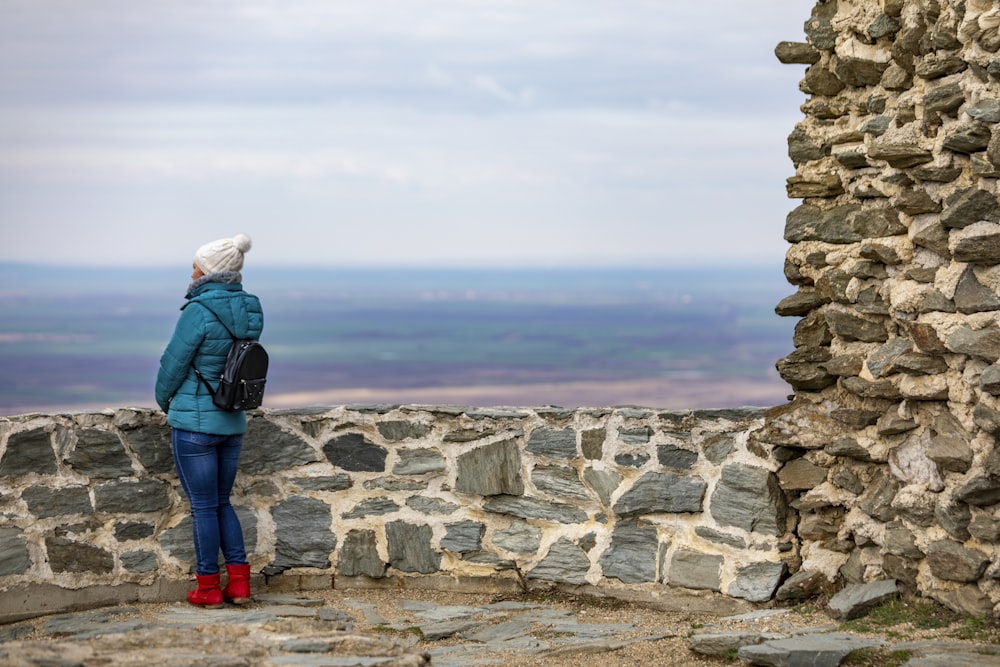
211,390
218,319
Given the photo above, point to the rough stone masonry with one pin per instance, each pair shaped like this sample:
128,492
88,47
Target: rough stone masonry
626,499
895,250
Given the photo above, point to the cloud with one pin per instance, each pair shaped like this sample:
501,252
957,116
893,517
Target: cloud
445,131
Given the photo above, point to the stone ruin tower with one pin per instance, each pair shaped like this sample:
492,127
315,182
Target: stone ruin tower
895,253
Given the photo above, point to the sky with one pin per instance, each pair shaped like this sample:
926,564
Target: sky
341,133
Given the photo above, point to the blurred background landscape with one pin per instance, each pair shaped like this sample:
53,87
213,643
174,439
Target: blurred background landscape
77,338
506,202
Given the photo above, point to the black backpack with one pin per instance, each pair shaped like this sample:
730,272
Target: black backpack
241,385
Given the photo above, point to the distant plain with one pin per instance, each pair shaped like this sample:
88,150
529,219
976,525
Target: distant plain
88,338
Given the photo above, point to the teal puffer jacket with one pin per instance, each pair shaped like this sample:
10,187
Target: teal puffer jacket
201,341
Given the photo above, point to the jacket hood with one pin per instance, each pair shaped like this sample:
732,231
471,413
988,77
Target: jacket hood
238,311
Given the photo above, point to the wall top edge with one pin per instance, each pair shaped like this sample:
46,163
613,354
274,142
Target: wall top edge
496,412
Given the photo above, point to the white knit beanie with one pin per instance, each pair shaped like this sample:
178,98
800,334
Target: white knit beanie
222,255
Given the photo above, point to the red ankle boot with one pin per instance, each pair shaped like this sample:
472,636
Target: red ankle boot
237,589
207,594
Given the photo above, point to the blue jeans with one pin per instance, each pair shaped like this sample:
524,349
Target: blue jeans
206,465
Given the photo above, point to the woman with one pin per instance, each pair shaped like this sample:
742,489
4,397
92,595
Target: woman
207,440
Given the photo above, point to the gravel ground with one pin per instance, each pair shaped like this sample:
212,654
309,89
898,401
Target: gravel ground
904,621
672,650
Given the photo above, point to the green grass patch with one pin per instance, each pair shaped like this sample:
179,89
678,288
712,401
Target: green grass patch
807,608
919,613
978,629
876,657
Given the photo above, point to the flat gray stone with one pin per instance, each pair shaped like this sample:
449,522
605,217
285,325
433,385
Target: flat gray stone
151,445
267,448
553,443
521,537
188,616
566,562
501,632
66,555
723,643
858,599
81,623
693,569
334,615
496,413
100,454
749,498
672,456
402,430
937,653
339,482
533,508
436,613
450,628
570,647
410,547
352,452
303,534
44,502
757,582
667,492
139,561
987,110
490,470
306,646
592,443
14,555
426,505
291,611
546,616
463,537
952,561
372,507
632,555
561,481
635,436
419,462
720,537
461,656
968,206
120,627
144,495
369,611
823,650
359,555
603,482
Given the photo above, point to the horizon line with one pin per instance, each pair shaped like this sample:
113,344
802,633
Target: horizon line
582,266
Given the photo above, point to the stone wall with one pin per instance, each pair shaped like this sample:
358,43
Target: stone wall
896,255
615,498
883,465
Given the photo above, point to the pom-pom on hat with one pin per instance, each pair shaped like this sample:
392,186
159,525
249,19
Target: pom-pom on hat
222,255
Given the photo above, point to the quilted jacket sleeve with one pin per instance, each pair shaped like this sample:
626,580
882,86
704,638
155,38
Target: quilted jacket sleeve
175,362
